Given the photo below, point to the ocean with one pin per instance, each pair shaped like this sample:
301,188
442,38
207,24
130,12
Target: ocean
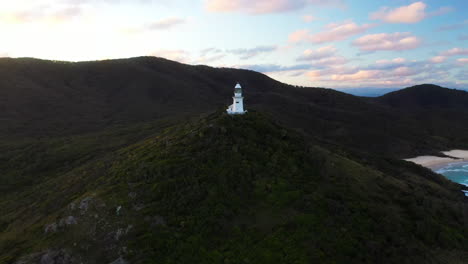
457,172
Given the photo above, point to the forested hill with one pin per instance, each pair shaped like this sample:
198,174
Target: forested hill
48,98
224,189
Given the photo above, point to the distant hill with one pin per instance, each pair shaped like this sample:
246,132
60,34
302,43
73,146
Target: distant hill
224,189
427,96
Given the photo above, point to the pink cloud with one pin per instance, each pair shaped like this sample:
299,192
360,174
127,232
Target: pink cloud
406,14
455,52
404,71
309,18
265,6
438,59
332,32
42,14
409,14
324,56
360,75
299,36
392,62
463,61
319,53
387,41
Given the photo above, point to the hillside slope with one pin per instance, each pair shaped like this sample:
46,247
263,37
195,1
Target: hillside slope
50,99
234,190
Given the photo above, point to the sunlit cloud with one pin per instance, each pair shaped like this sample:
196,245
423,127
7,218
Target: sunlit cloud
438,59
265,6
463,61
320,53
455,52
41,14
409,14
412,13
332,32
387,41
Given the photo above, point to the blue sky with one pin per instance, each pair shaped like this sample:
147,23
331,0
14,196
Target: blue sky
318,43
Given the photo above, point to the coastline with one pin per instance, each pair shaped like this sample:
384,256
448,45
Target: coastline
434,163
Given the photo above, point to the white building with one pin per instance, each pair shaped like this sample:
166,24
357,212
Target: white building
237,107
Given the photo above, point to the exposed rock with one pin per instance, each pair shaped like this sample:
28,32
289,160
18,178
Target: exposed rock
51,228
120,232
117,211
120,260
84,204
66,221
56,257
72,206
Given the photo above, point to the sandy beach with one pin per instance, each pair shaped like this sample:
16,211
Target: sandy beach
434,163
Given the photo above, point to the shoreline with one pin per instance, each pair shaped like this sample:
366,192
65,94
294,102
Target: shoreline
435,163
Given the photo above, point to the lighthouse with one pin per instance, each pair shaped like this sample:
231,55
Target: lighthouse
237,107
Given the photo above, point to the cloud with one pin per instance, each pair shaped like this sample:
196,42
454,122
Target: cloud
382,73
463,37
409,14
332,32
270,68
463,61
309,18
453,26
207,51
166,23
317,54
265,6
40,14
387,41
163,24
208,59
455,52
412,13
438,59
253,52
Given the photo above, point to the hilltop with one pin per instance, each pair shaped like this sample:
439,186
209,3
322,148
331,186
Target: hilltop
427,96
240,189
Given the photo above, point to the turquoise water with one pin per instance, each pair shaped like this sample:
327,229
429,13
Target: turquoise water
457,172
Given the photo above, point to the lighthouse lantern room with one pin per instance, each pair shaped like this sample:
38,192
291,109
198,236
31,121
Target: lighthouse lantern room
237,107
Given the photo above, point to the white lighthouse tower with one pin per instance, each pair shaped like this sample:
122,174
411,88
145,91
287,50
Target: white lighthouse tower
237,107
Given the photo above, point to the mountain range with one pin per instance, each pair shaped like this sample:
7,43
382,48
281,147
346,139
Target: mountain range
135,161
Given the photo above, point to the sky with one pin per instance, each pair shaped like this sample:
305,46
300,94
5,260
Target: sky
314,43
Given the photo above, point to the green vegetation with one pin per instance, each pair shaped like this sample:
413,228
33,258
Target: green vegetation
232,189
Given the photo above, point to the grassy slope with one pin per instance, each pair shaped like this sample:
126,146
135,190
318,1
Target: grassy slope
238,190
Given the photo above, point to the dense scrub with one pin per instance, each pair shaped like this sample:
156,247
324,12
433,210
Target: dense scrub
243,189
